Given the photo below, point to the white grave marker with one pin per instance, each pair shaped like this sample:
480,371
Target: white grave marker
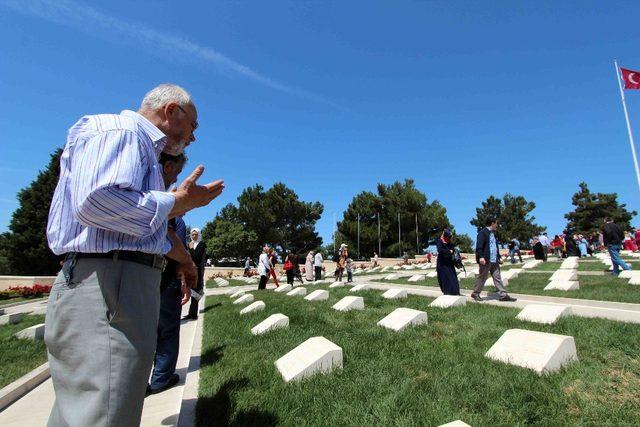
35,332
237,294
447,301
244,299
358,288
283,288
400,318
337,285
390,277
315,355
253,307
456,423
11,318
539,351
562,285
349,303
318,295
543,313
395,294
570,275
416,278
274,321
297,292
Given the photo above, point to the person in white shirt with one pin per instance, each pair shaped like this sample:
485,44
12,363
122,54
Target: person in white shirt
545,242
317,263
263,268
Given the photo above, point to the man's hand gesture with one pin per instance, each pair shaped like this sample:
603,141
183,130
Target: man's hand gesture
190,195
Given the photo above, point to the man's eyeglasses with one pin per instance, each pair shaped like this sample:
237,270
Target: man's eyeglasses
194,124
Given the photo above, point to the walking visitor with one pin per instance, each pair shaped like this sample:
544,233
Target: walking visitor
445,267
488,259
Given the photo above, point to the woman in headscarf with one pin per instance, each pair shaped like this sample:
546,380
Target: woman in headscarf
446,270
308,267
198,254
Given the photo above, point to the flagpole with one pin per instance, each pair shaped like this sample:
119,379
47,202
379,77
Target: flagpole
626,116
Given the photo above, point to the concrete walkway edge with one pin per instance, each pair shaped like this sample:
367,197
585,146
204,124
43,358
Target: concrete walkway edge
23,385
187,416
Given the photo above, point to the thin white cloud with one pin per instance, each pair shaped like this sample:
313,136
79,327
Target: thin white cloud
99,24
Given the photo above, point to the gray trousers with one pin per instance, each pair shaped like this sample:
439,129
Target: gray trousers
101,337
494,269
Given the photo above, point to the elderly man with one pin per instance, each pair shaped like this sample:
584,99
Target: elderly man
109,217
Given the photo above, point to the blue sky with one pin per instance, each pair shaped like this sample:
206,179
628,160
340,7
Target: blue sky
468,98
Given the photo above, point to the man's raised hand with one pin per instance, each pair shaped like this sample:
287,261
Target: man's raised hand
190,195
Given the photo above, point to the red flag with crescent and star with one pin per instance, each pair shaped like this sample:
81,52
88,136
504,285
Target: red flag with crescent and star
631,78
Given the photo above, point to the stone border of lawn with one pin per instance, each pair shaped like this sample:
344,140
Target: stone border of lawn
187,415
29,301
20,387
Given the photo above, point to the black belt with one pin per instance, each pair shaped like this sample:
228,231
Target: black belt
150,260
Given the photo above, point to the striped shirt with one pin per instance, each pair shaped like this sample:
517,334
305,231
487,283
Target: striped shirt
110,194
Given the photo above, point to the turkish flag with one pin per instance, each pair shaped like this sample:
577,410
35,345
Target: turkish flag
631,78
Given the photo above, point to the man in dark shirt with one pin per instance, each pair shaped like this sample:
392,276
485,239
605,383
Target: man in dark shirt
613,237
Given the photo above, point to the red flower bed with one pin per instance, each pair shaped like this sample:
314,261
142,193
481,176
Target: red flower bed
34,291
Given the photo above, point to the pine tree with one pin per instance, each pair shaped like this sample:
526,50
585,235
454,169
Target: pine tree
513,215
591,209
25,245
400,199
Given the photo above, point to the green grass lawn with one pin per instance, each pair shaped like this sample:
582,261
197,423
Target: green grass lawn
603,288
427,375
18,357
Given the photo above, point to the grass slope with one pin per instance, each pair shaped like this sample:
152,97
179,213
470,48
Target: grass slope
426,375
18,357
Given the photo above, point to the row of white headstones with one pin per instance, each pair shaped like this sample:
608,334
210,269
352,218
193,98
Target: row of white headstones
542,352
565,278
632,275
32,332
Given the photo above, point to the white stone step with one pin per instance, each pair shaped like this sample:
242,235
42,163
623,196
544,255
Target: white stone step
315,355
447,301
318,295
543,313
297,292
395,294
349,303
275,321
540,351
400,318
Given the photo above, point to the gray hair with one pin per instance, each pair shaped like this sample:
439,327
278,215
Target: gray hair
164,94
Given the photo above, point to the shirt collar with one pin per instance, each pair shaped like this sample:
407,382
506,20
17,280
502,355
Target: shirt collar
158,139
